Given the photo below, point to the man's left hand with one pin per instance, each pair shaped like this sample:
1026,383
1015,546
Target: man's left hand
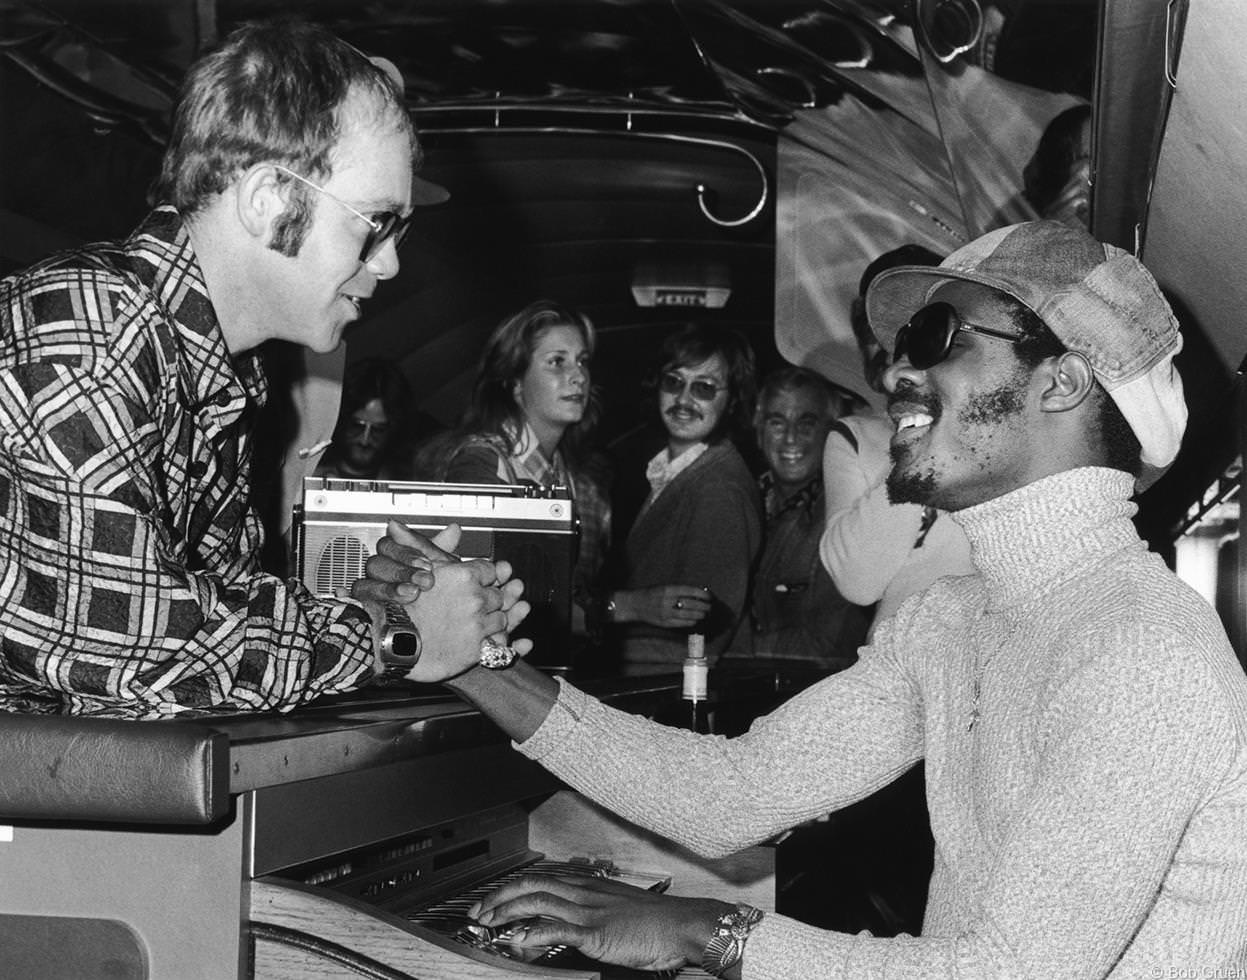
606,920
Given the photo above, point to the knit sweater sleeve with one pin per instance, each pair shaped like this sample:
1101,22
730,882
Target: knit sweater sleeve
1130,756
1130,750
716,795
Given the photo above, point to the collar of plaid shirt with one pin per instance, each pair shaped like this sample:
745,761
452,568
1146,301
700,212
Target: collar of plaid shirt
168,566
530,461
163,260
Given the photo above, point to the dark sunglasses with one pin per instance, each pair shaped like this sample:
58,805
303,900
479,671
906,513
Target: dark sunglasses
382,226
928,336
672,383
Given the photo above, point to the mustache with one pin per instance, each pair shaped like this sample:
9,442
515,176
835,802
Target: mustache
671,412
908,394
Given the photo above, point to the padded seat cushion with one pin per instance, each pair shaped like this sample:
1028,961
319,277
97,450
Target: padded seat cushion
110,770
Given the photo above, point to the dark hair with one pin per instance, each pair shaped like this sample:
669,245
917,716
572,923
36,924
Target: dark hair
790,378
272,92
375,377
697,342
1121,446
875,360
1059,150
506,358
908,254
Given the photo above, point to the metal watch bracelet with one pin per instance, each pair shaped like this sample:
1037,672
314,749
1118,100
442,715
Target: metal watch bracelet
400,642
727,942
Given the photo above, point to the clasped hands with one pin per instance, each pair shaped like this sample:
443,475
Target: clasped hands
607,920
460,603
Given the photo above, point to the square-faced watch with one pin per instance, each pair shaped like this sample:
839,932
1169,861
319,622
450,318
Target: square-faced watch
400,643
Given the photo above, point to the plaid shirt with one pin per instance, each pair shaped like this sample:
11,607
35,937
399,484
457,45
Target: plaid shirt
485,454
129,557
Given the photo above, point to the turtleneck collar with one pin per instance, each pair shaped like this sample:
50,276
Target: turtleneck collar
1029,542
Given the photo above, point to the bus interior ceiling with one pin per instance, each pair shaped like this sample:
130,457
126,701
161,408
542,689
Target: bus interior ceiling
649,161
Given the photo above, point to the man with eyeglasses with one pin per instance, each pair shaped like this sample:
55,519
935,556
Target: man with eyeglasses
688,555
129,386
877,551
376,405
1079,712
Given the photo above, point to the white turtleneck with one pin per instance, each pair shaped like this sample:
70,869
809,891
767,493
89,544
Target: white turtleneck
1090,815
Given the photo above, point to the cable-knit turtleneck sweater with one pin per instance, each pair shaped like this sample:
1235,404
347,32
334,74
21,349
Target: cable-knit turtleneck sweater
1083,722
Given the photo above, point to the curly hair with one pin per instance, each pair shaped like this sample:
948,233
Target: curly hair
274,91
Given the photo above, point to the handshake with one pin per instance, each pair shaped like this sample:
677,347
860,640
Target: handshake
461,611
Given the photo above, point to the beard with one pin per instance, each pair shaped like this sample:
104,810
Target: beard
919,483
909,488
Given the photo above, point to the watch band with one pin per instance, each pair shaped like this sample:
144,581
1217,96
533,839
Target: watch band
727,942
400,642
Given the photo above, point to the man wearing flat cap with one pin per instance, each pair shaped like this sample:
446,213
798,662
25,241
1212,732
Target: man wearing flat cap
1080,715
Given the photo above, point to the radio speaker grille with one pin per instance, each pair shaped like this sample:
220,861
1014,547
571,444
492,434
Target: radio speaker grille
340,564
334,554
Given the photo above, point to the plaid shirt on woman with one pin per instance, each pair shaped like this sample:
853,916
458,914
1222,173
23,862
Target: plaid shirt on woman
129,568
486,458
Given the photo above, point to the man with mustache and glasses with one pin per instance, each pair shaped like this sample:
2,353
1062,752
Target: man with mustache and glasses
130,384
1079,712
688,556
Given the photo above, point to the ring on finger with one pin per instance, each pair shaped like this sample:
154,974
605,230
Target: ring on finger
679,604
497,656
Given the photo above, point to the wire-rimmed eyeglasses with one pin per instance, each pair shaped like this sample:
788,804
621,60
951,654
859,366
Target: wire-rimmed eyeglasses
383,225
673,383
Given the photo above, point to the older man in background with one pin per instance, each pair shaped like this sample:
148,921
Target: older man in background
798,614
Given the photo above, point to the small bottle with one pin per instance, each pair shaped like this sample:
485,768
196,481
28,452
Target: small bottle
696,676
